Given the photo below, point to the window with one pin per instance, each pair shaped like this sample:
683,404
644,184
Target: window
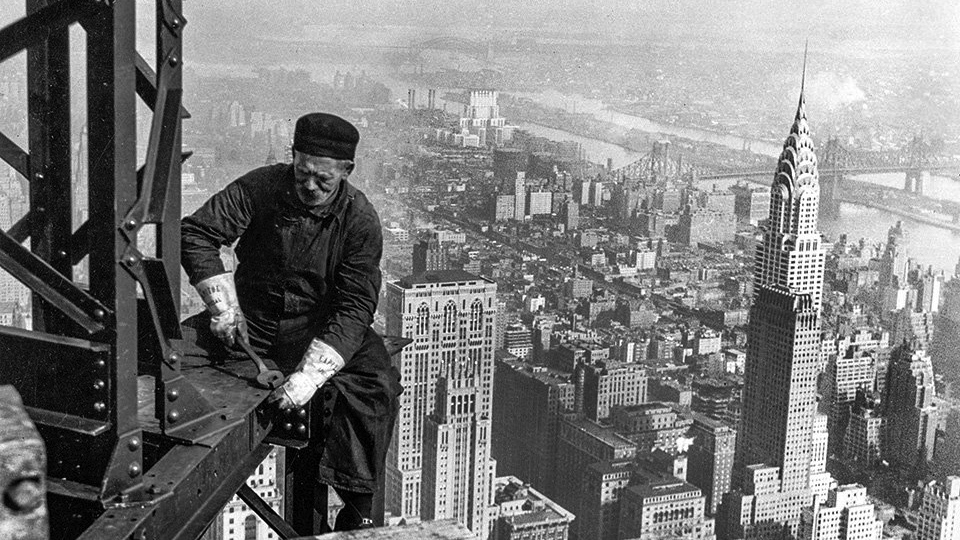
250,528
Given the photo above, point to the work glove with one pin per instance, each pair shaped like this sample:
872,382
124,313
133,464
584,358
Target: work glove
320,362
219,294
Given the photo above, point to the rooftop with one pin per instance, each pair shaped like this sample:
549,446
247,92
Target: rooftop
441,276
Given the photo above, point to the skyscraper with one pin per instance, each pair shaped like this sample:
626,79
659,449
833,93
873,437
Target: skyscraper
775,448
909,407
439,462
940,510
847,514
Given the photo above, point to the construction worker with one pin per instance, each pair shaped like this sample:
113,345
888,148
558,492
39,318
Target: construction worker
304,294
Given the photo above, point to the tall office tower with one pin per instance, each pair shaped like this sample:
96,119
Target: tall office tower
847,372
571,215
429,255
439,462
940,510
520,196
909,407
930,290
910,325
775,443
710,459
864,433
847,514
525,445
894,264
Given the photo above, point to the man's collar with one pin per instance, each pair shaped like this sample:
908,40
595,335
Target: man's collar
337,207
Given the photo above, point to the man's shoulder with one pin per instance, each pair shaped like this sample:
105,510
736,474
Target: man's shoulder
358,200
266,178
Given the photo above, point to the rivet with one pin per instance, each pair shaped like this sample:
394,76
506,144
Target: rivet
98,314
25,495
100,363
133,470
301,429
175,23
130,224
288,426
99,384
99,406
38,176
174,357
130,259
174,60
133,444
62,254
154,489
40,209
173,394
173,416
302,413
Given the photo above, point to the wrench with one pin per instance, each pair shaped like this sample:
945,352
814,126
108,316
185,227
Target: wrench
266,378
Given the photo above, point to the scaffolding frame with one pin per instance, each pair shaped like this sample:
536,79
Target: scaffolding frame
144,439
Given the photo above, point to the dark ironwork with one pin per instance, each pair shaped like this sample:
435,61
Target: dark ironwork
146,439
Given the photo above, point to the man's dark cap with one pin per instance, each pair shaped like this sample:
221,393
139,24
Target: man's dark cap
325,135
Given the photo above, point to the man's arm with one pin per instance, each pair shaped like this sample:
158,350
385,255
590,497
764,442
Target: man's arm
357,285
219,222
357,288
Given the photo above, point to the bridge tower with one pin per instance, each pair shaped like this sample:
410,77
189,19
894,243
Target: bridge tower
918,158
832,158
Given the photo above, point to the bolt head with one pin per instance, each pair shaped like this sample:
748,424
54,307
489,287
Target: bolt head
174,357
287,426
62,254
173,394
99,314
173,416
174,60
99,384
99,406
130,224
100,364
24,495
133,470
301,429
130,259
133,444
301,412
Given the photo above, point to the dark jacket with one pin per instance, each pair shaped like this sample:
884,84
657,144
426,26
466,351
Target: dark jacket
304,273
294,261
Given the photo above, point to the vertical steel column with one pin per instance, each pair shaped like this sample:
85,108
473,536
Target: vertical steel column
48,83
112,190
169,27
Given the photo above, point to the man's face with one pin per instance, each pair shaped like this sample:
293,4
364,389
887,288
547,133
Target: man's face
316,179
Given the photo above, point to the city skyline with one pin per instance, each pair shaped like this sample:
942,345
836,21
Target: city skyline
635,309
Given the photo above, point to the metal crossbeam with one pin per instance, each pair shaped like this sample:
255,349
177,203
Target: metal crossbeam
39,25
14,155
44,280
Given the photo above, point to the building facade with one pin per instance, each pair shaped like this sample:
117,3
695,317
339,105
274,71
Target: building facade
438,465
774,465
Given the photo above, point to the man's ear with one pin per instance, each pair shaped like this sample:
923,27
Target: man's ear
348,167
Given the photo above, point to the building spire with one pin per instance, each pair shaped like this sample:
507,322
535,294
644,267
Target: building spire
801,113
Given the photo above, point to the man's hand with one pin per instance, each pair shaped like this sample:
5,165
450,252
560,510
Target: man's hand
319,364
227,322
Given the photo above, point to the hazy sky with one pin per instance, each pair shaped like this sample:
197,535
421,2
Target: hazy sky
828,23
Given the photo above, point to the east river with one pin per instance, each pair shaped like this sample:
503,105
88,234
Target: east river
927,244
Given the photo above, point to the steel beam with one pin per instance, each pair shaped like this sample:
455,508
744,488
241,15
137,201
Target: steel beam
15,156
